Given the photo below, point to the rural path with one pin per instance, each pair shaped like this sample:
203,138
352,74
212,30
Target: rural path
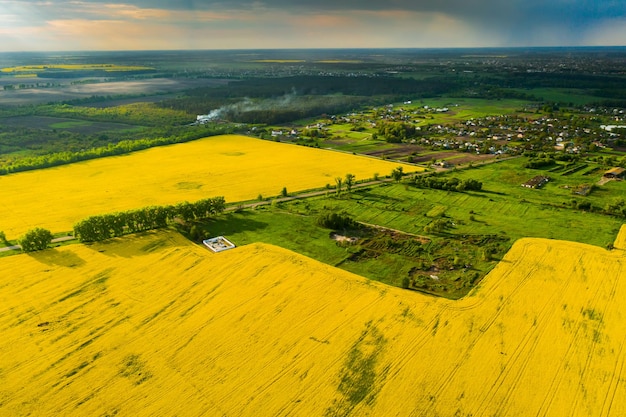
318,193
55,240
303,195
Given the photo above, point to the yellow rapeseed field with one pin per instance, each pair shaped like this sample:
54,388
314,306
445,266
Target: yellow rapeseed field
153,325
620,242
236,167
75,67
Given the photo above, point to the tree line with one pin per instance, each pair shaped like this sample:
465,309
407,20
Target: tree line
396,132
106,226
120,148
447,184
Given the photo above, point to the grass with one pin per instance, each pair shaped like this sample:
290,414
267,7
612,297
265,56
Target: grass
564,95
492,220
481,226
70,124
377,255
463,109
279,61
411,209
504,179
76,125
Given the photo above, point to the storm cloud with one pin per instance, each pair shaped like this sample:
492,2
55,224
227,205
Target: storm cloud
209,24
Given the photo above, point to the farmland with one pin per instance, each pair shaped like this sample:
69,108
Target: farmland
491,220
149,319
453,291
71,125
72,67
236,167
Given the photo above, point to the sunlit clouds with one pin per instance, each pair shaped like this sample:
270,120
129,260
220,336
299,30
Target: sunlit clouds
240,24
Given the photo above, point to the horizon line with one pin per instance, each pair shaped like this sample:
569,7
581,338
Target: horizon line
389,48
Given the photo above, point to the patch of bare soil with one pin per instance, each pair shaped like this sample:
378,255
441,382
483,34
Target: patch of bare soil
396,151
343,239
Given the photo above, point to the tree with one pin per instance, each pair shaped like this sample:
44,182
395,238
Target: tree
339,182
36,239
349,181
3,237
283,192
336,221
406,282
397,174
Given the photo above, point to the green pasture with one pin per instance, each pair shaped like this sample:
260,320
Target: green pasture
70,124
503,209
564,95
411,209
292,226
463,109
278,227
504,179
344,131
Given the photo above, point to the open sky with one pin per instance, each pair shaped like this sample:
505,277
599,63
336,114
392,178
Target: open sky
58,25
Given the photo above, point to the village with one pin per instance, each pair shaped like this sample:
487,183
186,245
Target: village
420,130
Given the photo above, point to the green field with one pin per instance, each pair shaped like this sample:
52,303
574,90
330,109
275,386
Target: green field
565,95
505,179
463,109
490,220
387,257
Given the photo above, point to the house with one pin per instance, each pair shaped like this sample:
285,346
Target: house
615,173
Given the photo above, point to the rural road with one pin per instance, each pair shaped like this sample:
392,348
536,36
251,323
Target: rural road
355,186
56,240
303,195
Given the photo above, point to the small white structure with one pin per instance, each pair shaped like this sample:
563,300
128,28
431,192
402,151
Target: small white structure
218,244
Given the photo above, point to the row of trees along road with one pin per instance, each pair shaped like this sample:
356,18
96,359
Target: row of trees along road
106,226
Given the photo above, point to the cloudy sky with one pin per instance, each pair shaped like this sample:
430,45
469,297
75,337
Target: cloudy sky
58,25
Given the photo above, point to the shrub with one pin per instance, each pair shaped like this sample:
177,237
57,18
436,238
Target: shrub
406,282
336,221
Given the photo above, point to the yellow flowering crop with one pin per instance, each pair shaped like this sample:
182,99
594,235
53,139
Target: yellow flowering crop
74,67
620,242
236,167
154,325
